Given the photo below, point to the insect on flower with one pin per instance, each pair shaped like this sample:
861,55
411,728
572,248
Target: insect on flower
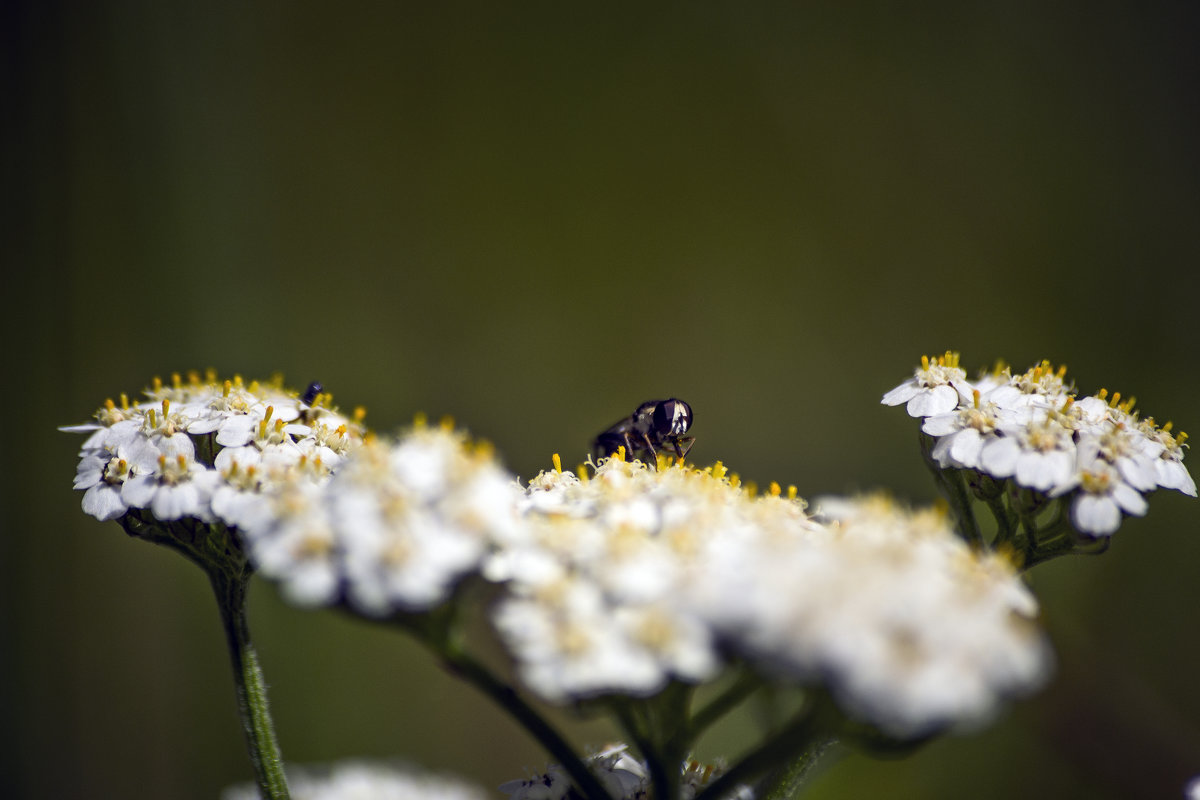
310,394
655,425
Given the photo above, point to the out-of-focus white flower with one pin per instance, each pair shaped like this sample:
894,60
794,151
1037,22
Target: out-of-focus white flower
634,576
363,780
936,387
594,578
913,629
395,527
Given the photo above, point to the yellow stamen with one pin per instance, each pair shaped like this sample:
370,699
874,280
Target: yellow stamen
975,397
227,389
360,412
557,463
620,452
210,375
925,362
446,423
176,380
124,401
420,420
775,489
792,492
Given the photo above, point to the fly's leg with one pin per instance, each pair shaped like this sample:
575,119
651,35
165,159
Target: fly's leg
687,442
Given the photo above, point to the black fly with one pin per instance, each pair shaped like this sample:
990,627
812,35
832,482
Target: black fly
655,425
310,394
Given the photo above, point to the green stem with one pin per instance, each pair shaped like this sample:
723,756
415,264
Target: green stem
215,550
794,776
723,703
478,675
954,487
801,735
638,731
251,689
1005,529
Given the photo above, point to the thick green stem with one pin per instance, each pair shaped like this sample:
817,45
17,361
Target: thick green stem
215,550
251,689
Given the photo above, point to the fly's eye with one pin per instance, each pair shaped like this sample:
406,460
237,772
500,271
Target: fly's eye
672,417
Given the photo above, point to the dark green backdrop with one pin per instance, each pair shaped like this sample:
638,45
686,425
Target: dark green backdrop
534,219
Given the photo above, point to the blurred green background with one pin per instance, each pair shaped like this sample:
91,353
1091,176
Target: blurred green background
533,219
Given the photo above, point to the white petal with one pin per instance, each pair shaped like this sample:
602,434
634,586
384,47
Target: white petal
1096,514
103,502
1130,501
902,393
937,400
999,456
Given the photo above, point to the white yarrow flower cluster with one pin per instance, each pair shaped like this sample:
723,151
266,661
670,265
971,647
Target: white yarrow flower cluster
635,576
363,780
1032,429
393,530
204,449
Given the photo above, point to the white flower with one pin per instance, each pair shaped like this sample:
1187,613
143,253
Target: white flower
362,780
1038,452
101,475
394,529
1103,495
1169,469
912,630
1041,386
156,454
594,576
179,488
936,387
963,433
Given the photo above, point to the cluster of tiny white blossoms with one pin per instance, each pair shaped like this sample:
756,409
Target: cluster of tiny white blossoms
634,576
622,776
392,530
1032,428
362,780
206,449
